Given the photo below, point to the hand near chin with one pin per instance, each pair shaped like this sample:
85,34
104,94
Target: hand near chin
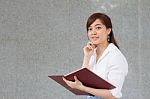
75,85
88,49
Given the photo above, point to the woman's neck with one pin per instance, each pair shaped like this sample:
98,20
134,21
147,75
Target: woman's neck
101,48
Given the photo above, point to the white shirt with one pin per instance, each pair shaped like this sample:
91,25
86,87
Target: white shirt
111,66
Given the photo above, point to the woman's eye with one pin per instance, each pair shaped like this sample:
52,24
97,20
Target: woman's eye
90,29
98,28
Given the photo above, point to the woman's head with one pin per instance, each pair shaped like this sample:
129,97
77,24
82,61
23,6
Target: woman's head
98,23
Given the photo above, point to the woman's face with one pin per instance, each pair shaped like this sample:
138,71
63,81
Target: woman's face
98,33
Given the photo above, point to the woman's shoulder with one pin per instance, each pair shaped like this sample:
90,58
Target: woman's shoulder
116,54
113,50
117,59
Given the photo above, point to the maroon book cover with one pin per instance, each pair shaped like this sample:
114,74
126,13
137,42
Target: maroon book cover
87,77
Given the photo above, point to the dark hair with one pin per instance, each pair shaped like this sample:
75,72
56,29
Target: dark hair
106,21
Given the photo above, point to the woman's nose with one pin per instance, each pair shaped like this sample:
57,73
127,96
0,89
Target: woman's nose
94,32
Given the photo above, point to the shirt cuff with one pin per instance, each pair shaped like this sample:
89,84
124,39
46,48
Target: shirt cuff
116,93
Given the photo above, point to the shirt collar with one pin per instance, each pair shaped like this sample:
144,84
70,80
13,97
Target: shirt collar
109,48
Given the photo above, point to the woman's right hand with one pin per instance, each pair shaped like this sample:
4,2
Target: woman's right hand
89,49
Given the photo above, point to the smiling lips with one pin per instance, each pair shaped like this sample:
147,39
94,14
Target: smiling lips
94,38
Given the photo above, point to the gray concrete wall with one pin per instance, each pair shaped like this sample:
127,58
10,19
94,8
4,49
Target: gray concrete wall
44,37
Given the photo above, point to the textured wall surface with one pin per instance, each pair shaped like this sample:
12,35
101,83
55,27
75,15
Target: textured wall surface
44,37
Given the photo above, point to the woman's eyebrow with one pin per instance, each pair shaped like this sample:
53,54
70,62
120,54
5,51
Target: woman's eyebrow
98,24
95,25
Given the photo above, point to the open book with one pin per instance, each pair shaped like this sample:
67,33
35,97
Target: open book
87,77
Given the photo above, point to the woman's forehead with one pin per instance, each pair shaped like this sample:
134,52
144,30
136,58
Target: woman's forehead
96,22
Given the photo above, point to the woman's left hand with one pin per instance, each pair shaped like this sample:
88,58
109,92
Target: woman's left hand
75,85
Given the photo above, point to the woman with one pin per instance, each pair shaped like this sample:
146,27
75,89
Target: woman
103,57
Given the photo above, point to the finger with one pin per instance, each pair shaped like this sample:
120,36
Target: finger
64,79
89,47
67,81
91,44
75,77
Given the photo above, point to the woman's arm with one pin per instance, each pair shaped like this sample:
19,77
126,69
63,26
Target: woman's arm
85,64
88,52
106,94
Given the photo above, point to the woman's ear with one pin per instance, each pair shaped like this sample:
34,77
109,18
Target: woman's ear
109,30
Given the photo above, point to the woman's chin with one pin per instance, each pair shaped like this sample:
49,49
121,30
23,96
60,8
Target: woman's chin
95,43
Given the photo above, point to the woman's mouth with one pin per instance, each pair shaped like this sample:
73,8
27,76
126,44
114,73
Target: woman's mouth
95,38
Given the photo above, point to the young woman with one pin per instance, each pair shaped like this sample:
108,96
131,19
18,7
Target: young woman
103,57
